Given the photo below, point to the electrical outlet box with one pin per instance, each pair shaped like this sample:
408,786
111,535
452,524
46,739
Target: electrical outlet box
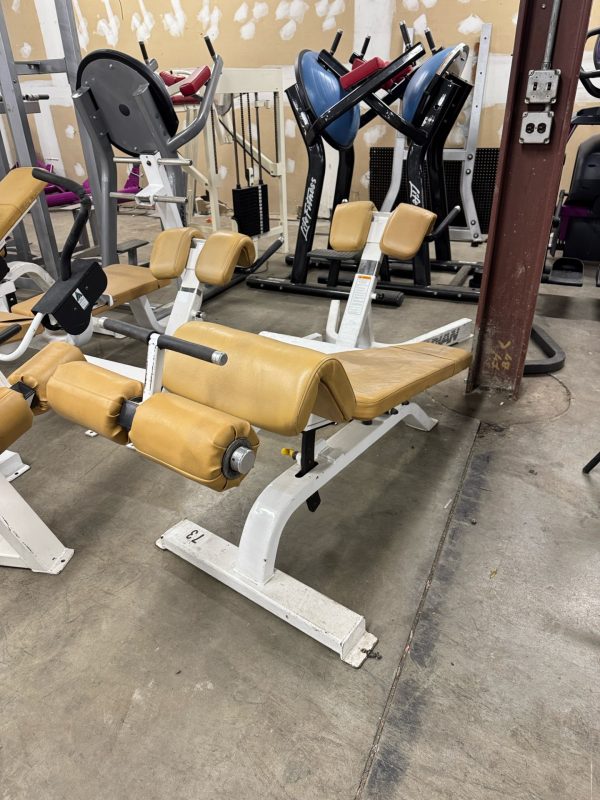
542,86
536,127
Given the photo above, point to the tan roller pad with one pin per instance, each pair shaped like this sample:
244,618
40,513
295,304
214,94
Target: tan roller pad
189,438
15,417
37,371
92,396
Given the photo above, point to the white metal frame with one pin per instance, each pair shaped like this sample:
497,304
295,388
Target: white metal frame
249,568
25,540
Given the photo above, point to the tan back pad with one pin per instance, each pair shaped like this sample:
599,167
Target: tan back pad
221,254
405,230
18,191
350,226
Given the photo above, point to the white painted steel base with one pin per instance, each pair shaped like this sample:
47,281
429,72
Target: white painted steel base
12,465
26,541
250,567
313,613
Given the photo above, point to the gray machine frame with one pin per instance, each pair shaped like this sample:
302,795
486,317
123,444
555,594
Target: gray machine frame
165,155
16,108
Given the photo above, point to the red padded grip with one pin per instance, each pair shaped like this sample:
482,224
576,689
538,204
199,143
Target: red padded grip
195,81
180,100
169,79
361,70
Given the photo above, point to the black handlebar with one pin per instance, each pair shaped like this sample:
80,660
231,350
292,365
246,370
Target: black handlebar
9,332
81,219
405,35
210,47
430,41
448,220
336,41
273,248
165,342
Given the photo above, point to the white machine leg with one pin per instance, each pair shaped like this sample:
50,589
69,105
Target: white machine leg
250,568
25,541
11,465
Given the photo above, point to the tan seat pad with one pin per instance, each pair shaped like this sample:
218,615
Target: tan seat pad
385,377
18,191
15,417
125,282
8,318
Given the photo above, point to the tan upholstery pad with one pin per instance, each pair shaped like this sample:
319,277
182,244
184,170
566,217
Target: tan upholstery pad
271,384
221,254
10,318
18,191
189,438
405,230
385,377
350,225
125,282
15,417
92,396
37,371
170,252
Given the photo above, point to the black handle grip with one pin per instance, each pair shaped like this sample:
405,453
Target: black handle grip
60,180
144,51
273,248
9,332
430,40
336,41
365,46
404,32
192,349
127,329
166,342
211,49
448,220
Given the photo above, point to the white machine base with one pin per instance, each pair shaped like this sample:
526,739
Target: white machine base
323,619
250,567
26,541
11,465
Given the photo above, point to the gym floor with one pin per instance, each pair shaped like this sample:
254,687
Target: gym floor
472,551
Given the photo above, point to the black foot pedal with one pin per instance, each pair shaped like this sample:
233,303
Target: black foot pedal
566,272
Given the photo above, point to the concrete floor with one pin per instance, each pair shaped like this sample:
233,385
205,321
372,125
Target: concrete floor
472,551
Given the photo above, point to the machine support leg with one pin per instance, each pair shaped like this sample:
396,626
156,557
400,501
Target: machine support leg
526,188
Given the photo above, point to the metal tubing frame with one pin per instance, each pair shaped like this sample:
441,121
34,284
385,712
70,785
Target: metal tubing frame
523,208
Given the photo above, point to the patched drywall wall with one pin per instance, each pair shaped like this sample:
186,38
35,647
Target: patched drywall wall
252,33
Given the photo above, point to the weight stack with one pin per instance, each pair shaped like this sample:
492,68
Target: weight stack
251,209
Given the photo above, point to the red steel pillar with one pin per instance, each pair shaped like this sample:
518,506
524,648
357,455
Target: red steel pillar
527,185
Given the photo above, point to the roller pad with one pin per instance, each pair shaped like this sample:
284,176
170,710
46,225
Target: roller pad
92,396
189,438
36,372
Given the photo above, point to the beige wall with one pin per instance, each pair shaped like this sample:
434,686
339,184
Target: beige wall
252,34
